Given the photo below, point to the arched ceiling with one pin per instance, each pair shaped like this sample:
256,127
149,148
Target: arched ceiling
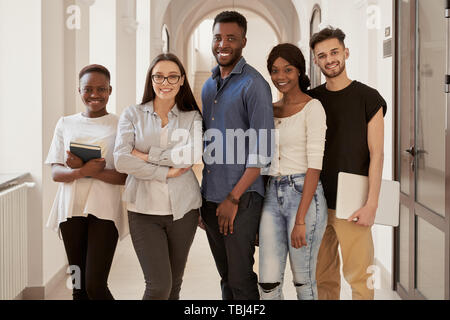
182,17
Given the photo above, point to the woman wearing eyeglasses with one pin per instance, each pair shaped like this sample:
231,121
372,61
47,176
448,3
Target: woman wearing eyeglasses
157,144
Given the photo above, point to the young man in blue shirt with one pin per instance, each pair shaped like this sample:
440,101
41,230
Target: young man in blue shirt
238,119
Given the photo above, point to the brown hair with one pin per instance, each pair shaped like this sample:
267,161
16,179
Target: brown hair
294,56
326,34
185,99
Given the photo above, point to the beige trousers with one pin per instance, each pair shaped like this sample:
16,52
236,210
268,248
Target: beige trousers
357,255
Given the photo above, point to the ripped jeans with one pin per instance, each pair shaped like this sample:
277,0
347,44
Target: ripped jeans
283,195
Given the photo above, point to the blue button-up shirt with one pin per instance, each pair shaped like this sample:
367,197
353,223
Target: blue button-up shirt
239,124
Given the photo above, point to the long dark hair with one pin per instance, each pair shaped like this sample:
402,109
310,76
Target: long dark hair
185,99
294,56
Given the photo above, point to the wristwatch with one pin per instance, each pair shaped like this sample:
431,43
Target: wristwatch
232,199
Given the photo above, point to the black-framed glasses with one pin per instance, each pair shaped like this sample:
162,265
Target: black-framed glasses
172,79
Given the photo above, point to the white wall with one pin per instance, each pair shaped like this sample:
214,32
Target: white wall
383,81
200,58
202,41
260,40
21,111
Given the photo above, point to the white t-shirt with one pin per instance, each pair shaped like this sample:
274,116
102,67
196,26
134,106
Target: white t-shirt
87,195
300,141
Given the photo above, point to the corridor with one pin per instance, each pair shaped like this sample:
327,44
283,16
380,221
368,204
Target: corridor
45,43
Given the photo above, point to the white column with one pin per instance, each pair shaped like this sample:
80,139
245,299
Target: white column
54,20
156,18
126,54
142,46
76,47
102,41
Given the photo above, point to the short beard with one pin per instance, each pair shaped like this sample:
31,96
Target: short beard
331,76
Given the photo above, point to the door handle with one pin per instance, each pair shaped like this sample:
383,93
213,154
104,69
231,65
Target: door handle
418,152
411,151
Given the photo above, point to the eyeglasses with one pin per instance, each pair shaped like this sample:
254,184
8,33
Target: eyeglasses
172,79
89,90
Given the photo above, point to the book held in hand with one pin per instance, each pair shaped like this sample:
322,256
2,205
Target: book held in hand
85,152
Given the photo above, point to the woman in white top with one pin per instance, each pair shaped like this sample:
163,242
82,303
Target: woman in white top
294,216
88,208
157,143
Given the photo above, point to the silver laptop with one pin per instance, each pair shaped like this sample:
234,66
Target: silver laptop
352,194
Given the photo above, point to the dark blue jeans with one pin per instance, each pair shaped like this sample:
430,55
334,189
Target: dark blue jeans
234,253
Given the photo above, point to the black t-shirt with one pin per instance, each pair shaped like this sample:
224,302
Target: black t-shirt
349,112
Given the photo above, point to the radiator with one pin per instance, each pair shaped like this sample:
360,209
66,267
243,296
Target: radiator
13,241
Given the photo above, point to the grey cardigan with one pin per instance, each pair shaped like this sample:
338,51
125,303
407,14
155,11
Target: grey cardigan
139,127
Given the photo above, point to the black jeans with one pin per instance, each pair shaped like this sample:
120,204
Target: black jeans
90,244
162,246
234,253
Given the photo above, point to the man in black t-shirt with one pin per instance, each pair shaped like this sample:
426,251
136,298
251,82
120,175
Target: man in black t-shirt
354,144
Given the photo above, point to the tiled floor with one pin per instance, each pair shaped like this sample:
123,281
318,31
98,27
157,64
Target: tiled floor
201,280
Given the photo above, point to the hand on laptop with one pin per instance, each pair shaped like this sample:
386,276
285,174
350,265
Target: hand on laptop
364,217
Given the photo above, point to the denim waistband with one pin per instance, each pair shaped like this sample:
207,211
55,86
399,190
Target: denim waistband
288,179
